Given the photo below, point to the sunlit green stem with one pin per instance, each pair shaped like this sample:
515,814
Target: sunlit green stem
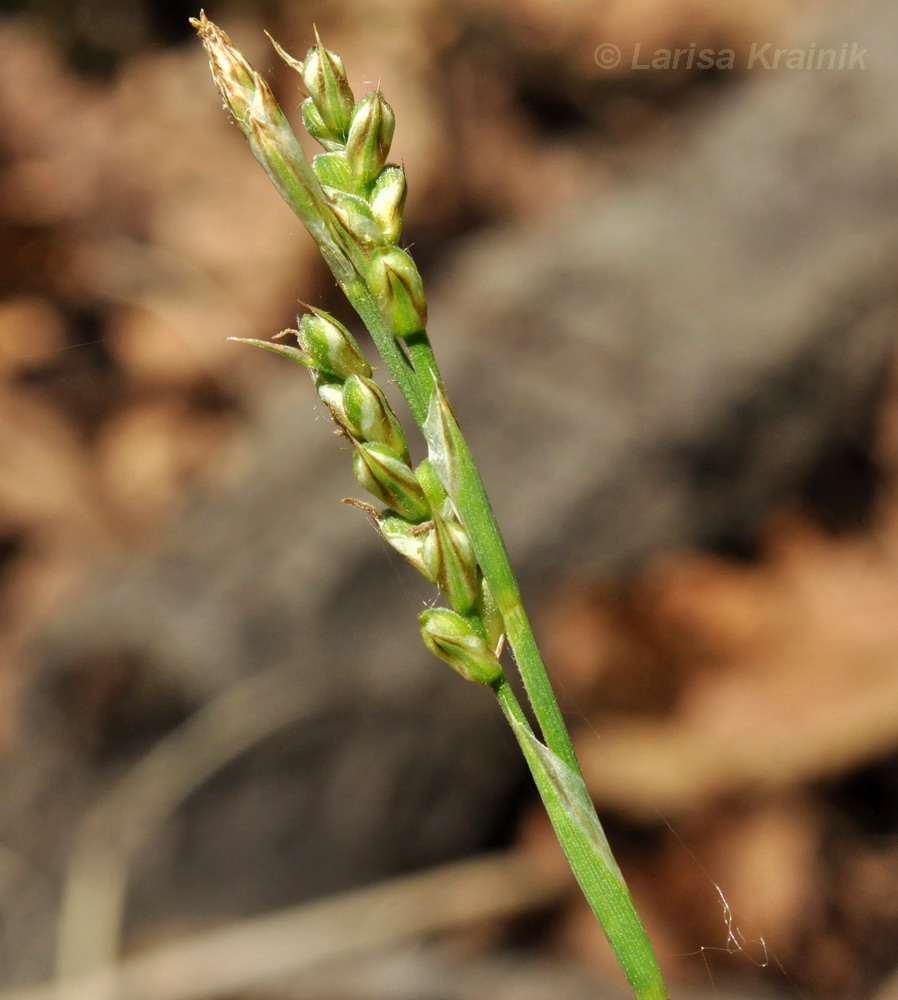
593,865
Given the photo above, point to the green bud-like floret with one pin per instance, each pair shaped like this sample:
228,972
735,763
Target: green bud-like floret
386,476
491,617
369,416
326,82
314,124
370,134
398,290
388,201
330,346
407,539
330,392
355,214
332,169
451,638
450,560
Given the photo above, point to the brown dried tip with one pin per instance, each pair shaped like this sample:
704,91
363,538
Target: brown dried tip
208,31
236,80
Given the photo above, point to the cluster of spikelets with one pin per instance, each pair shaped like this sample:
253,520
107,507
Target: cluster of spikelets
367,195
417,519
363,191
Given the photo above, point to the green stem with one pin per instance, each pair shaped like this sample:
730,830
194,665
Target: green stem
589,856
477,515
425,363
361,299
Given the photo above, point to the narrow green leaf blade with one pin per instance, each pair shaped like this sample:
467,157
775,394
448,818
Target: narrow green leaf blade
284,350
586,847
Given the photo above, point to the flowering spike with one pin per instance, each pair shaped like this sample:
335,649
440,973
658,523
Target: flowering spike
456,496
273,142
448,636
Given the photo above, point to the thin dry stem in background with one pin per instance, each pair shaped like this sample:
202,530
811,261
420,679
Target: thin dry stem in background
291,942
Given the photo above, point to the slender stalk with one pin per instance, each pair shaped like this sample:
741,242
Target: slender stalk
360,298
426,367
613,905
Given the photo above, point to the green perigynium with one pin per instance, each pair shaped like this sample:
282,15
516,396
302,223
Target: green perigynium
315,126
388,201
329,90
407,539
369,138
397,287
369,416
450,561
387,476
332,169
436,515
357,216
330,347
455,641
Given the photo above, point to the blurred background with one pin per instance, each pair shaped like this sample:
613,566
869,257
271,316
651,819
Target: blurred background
664,291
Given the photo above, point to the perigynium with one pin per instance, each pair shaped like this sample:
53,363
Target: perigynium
437,514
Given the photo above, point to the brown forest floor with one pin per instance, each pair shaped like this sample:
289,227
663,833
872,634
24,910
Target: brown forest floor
752,704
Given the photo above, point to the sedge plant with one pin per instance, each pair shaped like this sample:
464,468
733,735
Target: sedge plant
436,514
